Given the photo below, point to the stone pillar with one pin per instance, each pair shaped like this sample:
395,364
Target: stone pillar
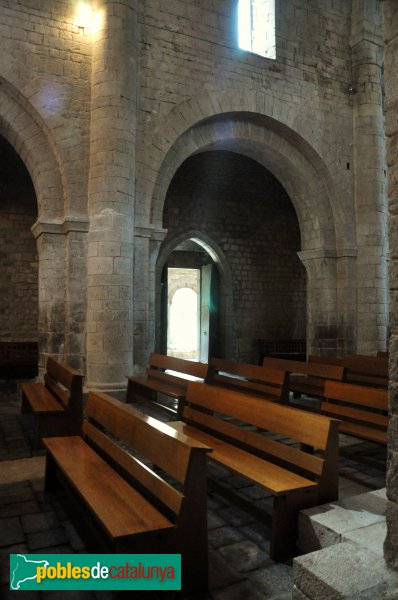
346,301
75,230
390,13
322,318
111,198
369,160
147,244
50,240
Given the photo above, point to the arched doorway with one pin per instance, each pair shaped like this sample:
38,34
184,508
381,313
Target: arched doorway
190,302
18,256
246,211
327,246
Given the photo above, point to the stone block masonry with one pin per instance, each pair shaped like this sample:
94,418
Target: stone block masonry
391,103
244,209
18,252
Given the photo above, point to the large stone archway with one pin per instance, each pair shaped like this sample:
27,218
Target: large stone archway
327,239
60,294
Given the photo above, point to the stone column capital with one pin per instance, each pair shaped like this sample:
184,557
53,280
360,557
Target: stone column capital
60,226
80,224
156,234
316,253
51,226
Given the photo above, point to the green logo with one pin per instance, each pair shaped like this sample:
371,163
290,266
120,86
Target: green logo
95,572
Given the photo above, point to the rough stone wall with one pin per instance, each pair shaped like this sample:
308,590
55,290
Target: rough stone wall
18,253
19,274
235,201
390,13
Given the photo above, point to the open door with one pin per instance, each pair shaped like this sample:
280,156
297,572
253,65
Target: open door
164,309
189,305
209,292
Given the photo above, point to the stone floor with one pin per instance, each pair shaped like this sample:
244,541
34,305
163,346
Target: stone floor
32,521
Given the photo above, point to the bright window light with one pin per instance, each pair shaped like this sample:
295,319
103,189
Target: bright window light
256,21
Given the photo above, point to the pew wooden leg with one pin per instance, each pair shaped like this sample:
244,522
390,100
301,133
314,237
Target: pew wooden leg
194,552
284,522
50,477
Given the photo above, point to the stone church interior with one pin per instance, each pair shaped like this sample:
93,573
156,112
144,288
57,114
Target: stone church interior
198,305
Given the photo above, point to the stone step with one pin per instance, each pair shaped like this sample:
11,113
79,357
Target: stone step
344,571
329,524
344,541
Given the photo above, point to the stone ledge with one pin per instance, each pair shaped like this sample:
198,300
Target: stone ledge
329,524
345,570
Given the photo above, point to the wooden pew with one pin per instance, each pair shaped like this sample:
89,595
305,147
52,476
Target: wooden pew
128,506
366,370
306,377
271,384
294,349
363,410
165,375
296,478
359,368
57,404
18,360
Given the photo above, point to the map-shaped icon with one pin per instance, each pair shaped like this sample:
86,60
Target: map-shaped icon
25,570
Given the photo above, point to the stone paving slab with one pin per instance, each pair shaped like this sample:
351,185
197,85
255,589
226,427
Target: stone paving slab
20,470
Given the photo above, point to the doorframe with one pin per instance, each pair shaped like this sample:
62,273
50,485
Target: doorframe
225,277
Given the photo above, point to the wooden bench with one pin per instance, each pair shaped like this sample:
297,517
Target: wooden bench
127,505
57,404
306,377
359,368
363,411
18,360
223,419
366,370
165,375
271,384
294,349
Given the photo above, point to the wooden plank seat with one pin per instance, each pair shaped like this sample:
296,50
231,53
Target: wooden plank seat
360,369
165,375
306,377
224,418
56,403
139,485
268,383
363,410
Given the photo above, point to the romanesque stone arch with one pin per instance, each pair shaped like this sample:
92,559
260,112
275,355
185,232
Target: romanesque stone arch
21,125
25,130
271,133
